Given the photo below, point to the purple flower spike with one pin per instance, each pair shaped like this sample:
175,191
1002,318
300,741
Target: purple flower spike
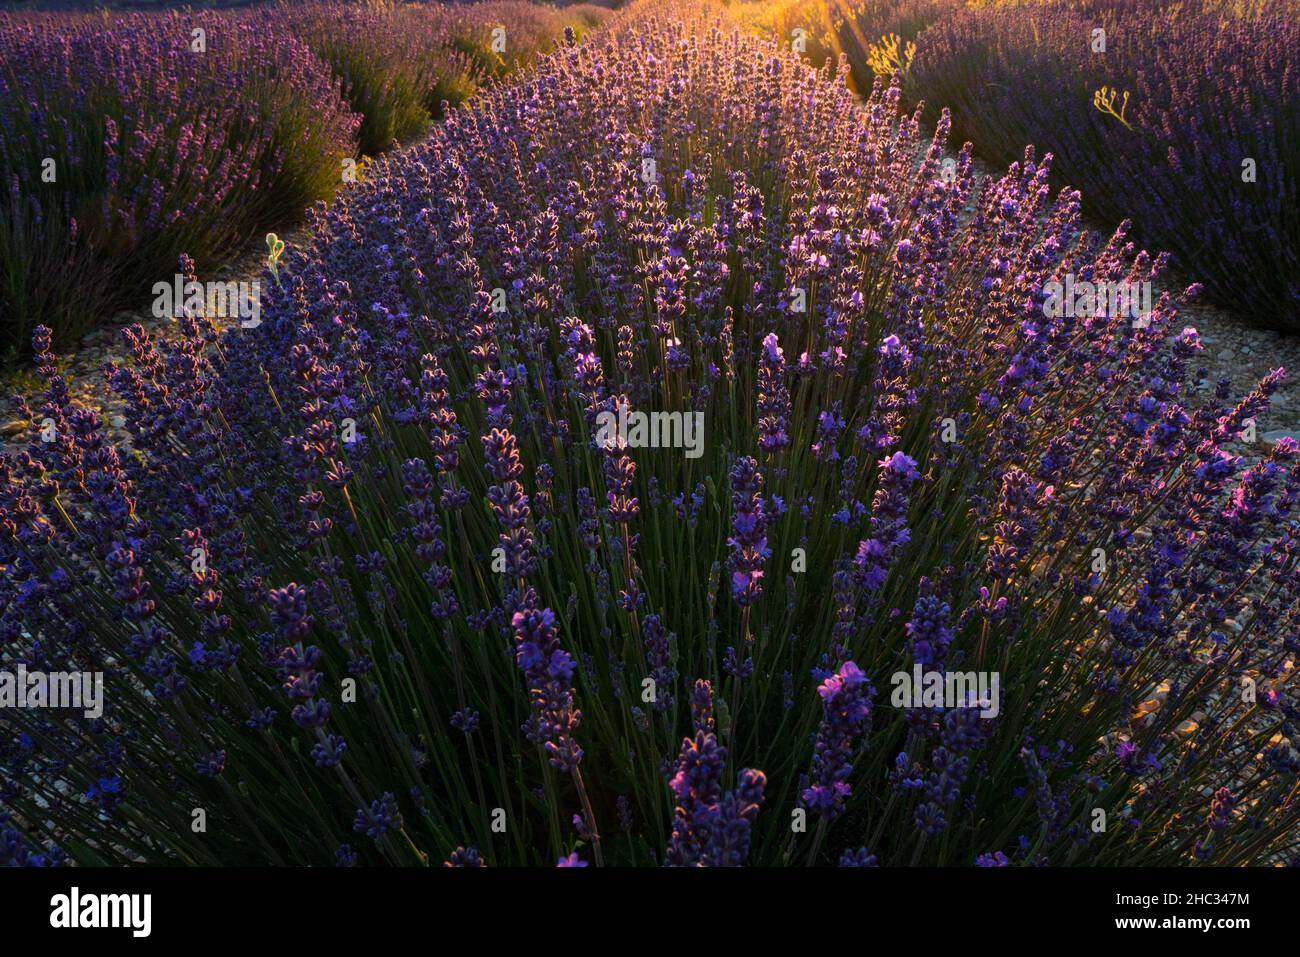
846,713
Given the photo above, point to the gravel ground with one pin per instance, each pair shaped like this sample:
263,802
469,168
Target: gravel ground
1235,351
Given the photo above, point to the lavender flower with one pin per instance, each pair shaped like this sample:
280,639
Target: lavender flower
888,521
382,816
465,857
548,670
748,541
846,712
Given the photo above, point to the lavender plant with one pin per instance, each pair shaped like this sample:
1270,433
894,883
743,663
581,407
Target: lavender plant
388,62
375,583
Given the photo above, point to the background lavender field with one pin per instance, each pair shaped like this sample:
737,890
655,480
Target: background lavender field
1204,159
369,586
122,145
1203,86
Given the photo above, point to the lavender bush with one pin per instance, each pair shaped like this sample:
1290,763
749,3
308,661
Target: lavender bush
376,583
392,63
1201,147
530,29
402,64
